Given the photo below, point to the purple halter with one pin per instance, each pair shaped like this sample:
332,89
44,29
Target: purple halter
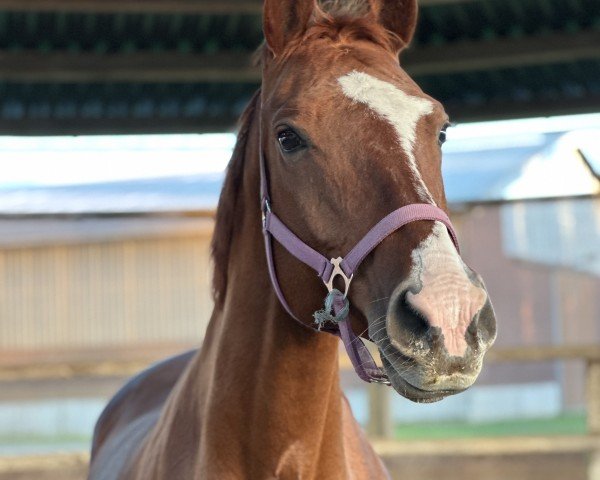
336,304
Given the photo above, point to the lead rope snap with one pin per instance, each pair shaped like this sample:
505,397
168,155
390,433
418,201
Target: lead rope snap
337,308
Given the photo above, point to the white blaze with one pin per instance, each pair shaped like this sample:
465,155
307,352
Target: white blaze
402,111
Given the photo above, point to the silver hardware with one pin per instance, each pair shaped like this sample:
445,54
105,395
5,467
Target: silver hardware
266,208
337,271
381,381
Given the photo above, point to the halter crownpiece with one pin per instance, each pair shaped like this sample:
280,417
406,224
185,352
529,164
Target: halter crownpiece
334,317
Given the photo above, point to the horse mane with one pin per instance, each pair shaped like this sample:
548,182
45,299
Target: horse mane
225,218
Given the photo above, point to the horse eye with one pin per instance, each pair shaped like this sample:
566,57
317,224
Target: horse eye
289,140
443,134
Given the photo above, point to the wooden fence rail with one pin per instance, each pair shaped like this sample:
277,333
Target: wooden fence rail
126,360
380,422
122,362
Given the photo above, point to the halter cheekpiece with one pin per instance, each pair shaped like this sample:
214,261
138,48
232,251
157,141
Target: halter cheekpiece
333,318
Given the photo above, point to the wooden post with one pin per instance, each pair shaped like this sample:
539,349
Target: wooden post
593,403
380,419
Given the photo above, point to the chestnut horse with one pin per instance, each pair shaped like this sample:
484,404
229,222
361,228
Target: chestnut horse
346,137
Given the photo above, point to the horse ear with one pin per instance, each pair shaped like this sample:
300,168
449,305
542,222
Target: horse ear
284,20
399,17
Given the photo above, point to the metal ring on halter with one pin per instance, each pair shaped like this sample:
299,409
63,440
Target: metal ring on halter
337,271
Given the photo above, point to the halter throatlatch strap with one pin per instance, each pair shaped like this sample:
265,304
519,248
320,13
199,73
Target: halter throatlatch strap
334,317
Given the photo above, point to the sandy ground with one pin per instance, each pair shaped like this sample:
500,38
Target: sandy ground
539,467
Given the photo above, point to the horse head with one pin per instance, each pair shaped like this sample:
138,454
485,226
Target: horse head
347,138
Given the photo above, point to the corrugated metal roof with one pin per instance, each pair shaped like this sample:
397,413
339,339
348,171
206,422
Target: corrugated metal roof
150,105
528,166
175,194
110,102
439,24
110,33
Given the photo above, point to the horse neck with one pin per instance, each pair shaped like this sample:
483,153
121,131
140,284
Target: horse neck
267,388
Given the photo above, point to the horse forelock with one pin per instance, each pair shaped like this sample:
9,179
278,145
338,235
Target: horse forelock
342,22
346,28
337,8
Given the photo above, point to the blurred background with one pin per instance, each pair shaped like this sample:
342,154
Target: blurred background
117,119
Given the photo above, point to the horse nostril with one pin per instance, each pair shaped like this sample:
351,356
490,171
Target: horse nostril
414,320
408,330
445,317
485,328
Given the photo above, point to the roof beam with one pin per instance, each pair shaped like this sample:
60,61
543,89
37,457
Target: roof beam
140,67
506,53
135,6
106,126
37,67
208,7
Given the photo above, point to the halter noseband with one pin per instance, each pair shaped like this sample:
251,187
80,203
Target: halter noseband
334,318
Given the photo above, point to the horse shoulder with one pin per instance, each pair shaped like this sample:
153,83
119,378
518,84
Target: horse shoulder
139,397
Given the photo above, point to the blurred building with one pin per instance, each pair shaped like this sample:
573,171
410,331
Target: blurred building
72,282
127,263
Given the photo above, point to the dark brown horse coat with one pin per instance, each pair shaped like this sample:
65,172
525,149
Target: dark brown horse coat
261,399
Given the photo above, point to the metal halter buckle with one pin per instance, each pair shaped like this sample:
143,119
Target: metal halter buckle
266,208
337,271
381,381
